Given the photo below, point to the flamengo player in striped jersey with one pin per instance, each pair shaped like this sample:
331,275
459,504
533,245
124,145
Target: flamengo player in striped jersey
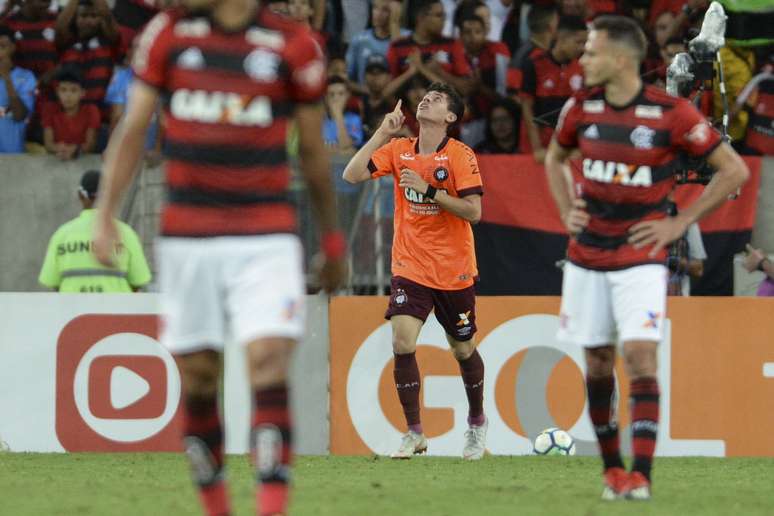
614,290
437,197
231,74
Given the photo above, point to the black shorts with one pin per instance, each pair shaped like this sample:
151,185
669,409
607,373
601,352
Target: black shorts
454,309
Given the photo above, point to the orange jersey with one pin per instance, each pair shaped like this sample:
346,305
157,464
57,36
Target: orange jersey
432,246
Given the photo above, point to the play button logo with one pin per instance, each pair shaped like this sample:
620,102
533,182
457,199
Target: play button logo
126,387
137,387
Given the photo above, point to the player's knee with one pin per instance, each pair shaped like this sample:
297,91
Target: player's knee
199,375
401,344
641,363
269,361
600,362
463,350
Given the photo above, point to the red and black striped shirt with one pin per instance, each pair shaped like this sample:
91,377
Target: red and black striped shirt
448,52
35,49
228,97
96,58
630,157
549,84
492,65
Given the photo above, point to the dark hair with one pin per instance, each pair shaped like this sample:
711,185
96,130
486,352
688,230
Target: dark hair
539,17
5,30
69,74
572,24
465,9
471,17
623,30
453,99
335,79
422,7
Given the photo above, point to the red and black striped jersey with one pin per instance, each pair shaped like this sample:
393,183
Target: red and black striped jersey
515,68
630,157
35,49
96,58
760,128
549,84
228,97
492,66
448,52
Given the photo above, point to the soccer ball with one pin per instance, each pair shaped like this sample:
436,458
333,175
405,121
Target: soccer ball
553,441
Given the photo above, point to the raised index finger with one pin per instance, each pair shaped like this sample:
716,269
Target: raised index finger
397,107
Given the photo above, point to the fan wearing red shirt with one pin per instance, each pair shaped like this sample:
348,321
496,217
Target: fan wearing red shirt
69,126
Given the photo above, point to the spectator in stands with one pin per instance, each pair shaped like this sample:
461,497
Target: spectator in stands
550,78
510,31
132,15
17,96
429,55
757,260
657,68
70,126
33,28
489,62
87,35
576,8
502,129
303,12
467,8
342,130
757,98
542,22
278,6
377,101
499,12
70,265
686,261
385,22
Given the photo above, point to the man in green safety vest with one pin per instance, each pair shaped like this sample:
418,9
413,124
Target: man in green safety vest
70,265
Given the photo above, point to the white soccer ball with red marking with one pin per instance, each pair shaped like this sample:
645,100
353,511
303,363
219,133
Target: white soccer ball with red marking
554,441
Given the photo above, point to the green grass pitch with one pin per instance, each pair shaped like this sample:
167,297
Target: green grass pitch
158,484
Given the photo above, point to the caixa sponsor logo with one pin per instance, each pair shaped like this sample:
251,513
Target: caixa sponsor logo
214,107
617,173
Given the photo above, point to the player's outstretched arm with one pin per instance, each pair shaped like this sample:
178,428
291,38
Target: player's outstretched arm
357,168
122,157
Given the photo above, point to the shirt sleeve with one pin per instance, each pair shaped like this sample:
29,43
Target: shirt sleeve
461,67
94,116
307,68
25,89
47,114
528,84
380,163
138,273
566,133
150,55
465,171
49,273
691,132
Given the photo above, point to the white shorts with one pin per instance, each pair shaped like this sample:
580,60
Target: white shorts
601,307
238,287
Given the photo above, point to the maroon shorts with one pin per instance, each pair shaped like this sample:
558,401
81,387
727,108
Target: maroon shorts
454,309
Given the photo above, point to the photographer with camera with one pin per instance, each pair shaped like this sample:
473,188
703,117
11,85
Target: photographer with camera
614,287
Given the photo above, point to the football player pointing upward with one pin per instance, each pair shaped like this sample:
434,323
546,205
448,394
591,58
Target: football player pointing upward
437,197
615,282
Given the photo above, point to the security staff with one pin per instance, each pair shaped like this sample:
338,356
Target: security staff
70,265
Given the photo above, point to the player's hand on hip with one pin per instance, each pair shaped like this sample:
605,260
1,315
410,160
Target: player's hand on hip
577,218
393,121
657,233
105,240
410,179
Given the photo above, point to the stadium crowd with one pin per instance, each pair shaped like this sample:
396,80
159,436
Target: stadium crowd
65,67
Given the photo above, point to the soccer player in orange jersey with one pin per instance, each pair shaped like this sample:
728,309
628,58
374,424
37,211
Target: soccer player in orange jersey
437,197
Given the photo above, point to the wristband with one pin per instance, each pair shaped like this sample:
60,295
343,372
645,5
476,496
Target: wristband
760,264
431,191
333,245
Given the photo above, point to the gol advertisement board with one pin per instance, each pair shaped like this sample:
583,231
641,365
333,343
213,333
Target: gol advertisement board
716,376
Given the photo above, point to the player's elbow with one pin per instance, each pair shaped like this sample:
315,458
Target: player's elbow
353,176
474,217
